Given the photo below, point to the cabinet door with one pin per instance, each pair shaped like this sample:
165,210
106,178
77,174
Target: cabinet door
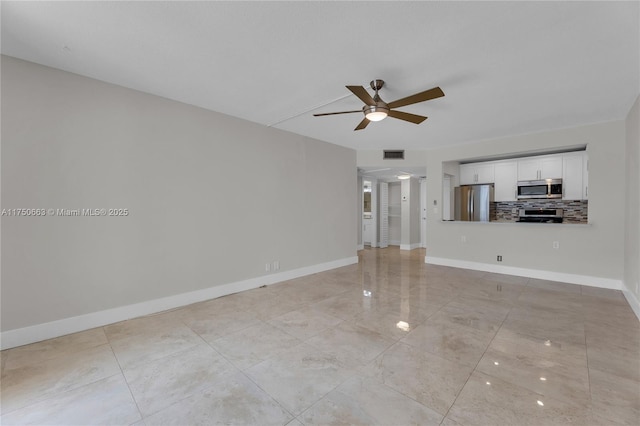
572,177
485,173
551,167
467,174
506,179
528,169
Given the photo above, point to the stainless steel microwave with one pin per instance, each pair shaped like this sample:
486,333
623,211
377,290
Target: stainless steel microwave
545,188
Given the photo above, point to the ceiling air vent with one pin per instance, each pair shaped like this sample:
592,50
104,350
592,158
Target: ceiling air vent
393,155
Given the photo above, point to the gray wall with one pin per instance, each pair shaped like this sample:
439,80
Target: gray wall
211,198
632,222
595,250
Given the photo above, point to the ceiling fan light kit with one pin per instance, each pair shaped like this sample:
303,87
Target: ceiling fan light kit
376,113
375,109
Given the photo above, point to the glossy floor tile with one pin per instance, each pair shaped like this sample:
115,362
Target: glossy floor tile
487,400
105,402
232,400
304,323
251,345
300,376
450,341
360,401
389,341
165,381
423,377
35,382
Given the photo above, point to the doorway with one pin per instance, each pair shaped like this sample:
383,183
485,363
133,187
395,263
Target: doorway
392,204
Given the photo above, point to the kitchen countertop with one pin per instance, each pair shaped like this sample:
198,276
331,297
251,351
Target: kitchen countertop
573,225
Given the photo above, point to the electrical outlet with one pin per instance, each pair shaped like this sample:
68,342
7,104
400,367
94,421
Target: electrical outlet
276,265
556,245
267,267
499,258
463,239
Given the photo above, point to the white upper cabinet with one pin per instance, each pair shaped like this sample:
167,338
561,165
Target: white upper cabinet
467,174
551,168
571,167
485,173
536,168
572,170
528,169
506,177
474,173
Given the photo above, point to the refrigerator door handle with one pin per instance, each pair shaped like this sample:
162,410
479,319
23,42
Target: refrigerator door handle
471,200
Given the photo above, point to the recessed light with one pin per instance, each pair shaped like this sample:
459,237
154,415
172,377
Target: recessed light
403,177
540,403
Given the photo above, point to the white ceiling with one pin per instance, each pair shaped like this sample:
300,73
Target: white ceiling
506,67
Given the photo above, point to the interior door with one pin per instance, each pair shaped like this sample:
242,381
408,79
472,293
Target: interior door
384,214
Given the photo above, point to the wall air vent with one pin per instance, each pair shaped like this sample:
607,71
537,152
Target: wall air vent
393,154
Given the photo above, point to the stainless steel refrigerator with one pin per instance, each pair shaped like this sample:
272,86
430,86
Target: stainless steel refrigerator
473,202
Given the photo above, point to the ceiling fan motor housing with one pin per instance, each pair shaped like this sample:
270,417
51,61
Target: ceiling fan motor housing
380,107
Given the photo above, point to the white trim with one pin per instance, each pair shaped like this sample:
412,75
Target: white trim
410,246
360,247
632,300
49,330
394,243
530,273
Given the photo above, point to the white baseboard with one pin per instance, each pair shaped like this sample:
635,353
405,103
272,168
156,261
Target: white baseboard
49,330
360,247
410,246
632,300
529,273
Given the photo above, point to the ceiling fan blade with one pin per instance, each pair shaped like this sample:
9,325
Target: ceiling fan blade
334,113
363,124
362,93
427,95
413,118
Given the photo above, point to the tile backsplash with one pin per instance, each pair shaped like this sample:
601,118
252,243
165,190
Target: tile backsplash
575,211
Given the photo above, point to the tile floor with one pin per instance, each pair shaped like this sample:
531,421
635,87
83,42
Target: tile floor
390,341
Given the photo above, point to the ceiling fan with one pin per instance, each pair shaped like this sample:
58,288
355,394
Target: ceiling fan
376,109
